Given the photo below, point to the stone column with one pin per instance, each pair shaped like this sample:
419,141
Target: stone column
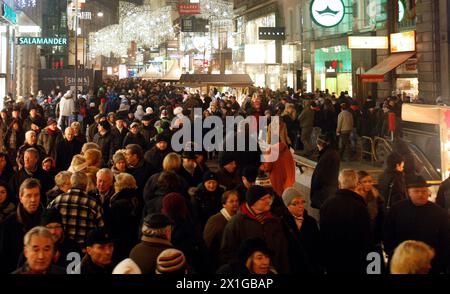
428,49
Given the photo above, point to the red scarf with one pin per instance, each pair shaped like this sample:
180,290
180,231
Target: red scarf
50,132
261,218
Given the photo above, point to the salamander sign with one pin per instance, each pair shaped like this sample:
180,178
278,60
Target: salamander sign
41,41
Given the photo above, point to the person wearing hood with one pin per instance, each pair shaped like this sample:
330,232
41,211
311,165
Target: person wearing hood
227,175
392,184
12,231
147,129
139,113
255,220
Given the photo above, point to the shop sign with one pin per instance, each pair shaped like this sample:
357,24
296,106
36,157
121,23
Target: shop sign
327,13
41,41
368,42
86,15
9,14
403,42
272,33
401,10
189,8
409,67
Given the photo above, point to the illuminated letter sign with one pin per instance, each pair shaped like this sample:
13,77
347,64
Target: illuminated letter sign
327,13
41,41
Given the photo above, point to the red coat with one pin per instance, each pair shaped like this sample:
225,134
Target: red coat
282,170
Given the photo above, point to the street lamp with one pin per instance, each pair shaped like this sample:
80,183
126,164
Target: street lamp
100,14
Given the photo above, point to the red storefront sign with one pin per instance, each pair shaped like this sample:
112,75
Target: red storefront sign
189,8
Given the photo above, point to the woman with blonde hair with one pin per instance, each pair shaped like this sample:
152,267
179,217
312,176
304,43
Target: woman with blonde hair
93,157
124,216
412,257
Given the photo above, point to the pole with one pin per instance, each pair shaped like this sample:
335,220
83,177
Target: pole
76,50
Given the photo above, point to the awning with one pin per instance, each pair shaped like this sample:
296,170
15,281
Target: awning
230,80
376,73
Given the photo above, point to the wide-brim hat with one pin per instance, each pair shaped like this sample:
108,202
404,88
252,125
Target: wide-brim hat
417,182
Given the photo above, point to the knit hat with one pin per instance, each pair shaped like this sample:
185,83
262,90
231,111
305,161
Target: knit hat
98,236
160,138
225,158
250,172
250,246
210,176
254,193
51,215
149,110
118,156
171,261
289,194
164,113
51,121
127,267
146,117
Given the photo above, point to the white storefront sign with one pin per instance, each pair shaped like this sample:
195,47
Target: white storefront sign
327,13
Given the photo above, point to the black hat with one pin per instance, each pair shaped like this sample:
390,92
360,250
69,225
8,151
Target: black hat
165,125
188,154
147,117
98,236
160,138
157,221
250,172
417,182
209,175
250,246
225,158
120,116
106,125
51,215
254,193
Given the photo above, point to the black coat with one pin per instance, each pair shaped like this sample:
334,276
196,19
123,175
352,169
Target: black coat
65,151
397,192
304,244
107,145
428,223
138,139
192,180
155,157
212,234
443,195
324,181
118,136
141,173
123,222
205,203
345,233
47,182
88,267
12,232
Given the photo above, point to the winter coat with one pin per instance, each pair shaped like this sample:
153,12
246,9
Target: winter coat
52,270
66,106
324,181
141,173
192,180
24,147
443,195
88,267
12,232
119,136
345,122
155,157
345,233
123,222
206,203
138,139
229,181
282,170
47,182
242,227
65,151
49,140
107,145
428,223
212,234
147,251
395,193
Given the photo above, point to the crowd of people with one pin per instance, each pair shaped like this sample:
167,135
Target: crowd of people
95,175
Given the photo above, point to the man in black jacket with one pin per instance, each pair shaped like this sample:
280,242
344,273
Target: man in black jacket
99,252
418,219
324,181
345,228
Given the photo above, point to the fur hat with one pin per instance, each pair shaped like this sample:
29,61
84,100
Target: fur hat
51,215
171,261
254,193
149,110
250,246
106,125
289,194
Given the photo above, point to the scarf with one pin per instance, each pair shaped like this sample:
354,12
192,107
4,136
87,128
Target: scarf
298,221
225,214
29,221
50,132
261,218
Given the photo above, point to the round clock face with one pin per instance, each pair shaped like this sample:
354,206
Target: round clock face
327,13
